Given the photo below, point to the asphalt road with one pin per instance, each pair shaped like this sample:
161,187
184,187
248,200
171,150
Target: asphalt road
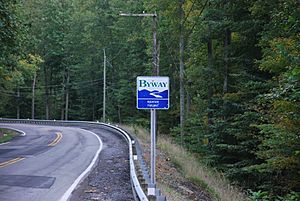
47,163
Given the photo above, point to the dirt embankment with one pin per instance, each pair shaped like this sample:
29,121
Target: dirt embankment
169,176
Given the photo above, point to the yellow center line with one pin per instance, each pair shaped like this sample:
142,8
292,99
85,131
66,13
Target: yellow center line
10,162
56,140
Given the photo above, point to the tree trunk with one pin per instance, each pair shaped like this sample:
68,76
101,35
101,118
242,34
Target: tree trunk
181,70
210,84
67,95
46,93
62,110
119,114
33,96
227,41
63,97
188,104
18,103
93,115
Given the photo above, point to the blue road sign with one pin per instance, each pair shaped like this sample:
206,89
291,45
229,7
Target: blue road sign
153,92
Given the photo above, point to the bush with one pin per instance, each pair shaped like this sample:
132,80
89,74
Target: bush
265,196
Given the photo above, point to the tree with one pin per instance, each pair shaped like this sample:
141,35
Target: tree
30,67
234,77
279,134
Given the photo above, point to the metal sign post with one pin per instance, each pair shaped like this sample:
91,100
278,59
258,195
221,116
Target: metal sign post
153,145
153,93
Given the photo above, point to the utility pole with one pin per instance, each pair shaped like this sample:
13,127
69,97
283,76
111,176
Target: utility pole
181,74
104,85
210,63
155,70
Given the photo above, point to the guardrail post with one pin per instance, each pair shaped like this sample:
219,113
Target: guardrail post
151,189
157,192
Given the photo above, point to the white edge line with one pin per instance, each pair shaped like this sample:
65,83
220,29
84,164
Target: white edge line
22,134
68,193
4,143
136,183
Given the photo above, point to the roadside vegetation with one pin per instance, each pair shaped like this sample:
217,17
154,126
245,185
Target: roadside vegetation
191,167
6,135
234,72
209,179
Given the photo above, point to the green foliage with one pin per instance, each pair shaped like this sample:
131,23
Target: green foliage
264,196
30,65
259,196
5,138
6,135
280,138
241,78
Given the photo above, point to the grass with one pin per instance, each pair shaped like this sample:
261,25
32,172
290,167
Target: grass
170,193
6,135
210,180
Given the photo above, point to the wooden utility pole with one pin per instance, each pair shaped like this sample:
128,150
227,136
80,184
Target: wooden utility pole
104,85
155,51
181,70
152,186
210,66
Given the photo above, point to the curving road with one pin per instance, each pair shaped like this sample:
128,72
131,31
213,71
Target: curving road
47,163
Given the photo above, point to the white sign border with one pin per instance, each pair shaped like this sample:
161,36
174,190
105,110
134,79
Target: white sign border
152,77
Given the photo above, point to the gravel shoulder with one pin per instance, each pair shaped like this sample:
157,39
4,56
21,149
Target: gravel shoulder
110,178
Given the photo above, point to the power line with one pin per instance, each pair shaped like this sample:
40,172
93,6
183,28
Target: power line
75,86
59,85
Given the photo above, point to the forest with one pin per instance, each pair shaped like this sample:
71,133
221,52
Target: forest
234,69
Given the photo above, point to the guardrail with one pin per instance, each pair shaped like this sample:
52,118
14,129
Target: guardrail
140,179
